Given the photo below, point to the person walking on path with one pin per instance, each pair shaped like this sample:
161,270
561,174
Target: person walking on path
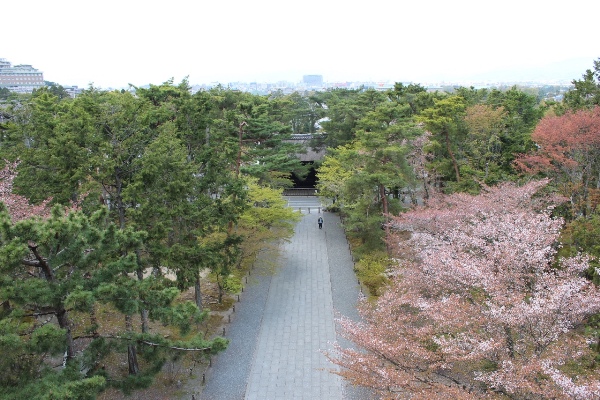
320,222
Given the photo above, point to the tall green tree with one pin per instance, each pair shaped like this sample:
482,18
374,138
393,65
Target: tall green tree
264,151
300,111
484,146
522,108
47,270
414,96
4,93
344,108
366,175
56,271
585,92
444,121
50,155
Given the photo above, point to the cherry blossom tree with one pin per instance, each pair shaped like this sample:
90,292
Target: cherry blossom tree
479,307
568,151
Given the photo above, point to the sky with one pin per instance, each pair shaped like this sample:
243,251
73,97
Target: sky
110,44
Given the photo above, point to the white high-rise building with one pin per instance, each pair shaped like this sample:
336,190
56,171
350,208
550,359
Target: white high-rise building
22,78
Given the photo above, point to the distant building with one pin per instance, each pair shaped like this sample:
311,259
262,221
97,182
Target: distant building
73,91
313,80
22,78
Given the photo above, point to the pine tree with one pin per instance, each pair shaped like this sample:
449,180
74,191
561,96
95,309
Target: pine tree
60,267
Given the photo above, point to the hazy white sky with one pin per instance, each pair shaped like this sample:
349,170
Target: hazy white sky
112,43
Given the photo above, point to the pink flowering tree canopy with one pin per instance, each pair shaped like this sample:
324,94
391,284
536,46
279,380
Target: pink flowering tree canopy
479,307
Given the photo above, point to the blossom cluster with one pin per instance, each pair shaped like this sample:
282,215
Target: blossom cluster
480,305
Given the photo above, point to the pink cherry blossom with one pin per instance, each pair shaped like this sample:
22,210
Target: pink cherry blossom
479,305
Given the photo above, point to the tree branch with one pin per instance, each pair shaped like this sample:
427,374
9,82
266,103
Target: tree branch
153,344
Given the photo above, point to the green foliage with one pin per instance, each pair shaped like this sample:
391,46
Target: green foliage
183,183
170,168
364,176
266,221
371,270
583,235
267,209
4,93
64,250
586,91
66,384
182,316
444,121
299,111
80,300
477,134
334,172
54,89
48,339
35,126
233,284
138,381
344,108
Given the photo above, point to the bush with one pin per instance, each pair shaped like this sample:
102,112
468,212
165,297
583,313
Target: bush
371,272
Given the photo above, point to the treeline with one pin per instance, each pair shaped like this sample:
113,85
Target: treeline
388,150
474,217
391,149
114,204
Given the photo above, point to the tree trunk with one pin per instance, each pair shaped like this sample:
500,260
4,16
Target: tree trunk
385,206
509,341
145,324
220,287
425,186
449,149
198,291
61,313
63,323
5,307
94,321
140,276
384,200
119,199
132,361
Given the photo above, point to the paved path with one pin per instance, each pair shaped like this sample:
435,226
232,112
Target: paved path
286,319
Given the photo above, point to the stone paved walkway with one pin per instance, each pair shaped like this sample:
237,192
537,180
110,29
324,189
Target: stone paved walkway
284,321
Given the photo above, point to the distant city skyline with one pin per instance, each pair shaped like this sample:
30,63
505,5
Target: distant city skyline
122,42
559,73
